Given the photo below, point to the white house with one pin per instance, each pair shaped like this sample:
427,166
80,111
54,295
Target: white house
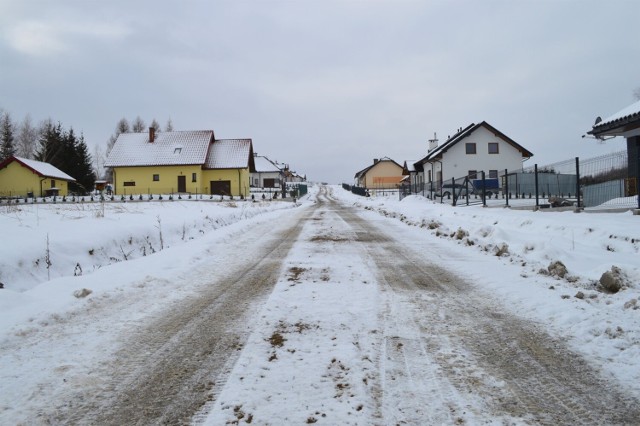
476,148
267,174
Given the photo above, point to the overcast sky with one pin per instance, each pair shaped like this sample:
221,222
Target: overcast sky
326,85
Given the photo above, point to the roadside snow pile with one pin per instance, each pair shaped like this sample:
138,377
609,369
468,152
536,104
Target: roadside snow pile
577,274
596,251
43,242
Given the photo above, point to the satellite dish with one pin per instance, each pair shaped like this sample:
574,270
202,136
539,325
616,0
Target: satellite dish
598,120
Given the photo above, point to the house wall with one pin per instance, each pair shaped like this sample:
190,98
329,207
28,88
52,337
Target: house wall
456,163
167,183
383,175
257,178
17,180
239,179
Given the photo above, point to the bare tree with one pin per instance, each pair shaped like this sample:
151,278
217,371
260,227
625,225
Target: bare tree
27,138
138,125
99,158
121,127
636,94
155,125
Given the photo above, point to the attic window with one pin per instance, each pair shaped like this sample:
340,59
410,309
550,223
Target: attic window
177,150
470,148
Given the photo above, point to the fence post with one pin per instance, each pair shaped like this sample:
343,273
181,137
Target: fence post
535,170
506,185
638,173
484,190
578,181
453,190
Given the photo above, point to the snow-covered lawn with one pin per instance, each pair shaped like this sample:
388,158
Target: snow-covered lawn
120,247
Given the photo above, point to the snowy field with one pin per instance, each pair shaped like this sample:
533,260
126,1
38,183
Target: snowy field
65,263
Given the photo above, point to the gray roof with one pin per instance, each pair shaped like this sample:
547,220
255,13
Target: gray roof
167,149
618,123
229,154
44,169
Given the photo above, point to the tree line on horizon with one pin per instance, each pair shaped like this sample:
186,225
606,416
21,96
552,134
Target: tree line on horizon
54,144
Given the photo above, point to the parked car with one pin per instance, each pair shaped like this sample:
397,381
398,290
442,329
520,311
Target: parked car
449,189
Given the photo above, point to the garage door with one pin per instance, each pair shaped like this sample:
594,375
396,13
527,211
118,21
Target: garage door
220,187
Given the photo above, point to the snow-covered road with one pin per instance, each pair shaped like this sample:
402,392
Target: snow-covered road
324,314
370,331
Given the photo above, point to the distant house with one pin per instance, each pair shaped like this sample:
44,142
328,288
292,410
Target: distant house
267,174
384,173
625,123
292,176
476,148
411,177
180,162
23,177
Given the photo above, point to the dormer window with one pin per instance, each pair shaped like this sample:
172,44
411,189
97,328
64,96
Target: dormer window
177,150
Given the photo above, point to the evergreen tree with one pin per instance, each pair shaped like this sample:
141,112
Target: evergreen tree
7,147
50,144
169,126
81,170
63,150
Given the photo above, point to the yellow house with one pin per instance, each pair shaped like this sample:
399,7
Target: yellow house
384,173
192,162
21,177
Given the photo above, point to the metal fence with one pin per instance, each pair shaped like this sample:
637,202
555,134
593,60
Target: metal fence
604,182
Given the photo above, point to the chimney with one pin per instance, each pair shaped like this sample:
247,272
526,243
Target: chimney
433,143
375,161
152,134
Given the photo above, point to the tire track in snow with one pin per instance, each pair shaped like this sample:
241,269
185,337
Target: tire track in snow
173,366
502,367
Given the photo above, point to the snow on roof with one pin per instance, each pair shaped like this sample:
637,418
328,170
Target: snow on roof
627,113
44,169
411,165
263,164
167,149
229,154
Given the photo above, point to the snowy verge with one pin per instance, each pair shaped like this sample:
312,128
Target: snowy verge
514,253
57,240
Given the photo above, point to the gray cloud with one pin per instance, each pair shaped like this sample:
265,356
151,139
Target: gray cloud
326,85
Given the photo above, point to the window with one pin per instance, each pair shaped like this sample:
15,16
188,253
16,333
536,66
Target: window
493,148
429,176
473,174
156,178
493,174
194,177
53,183
130,183
470,148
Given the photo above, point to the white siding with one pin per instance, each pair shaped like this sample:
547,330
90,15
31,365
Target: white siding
456,163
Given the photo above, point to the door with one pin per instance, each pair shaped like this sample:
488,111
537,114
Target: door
221,187
182,184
